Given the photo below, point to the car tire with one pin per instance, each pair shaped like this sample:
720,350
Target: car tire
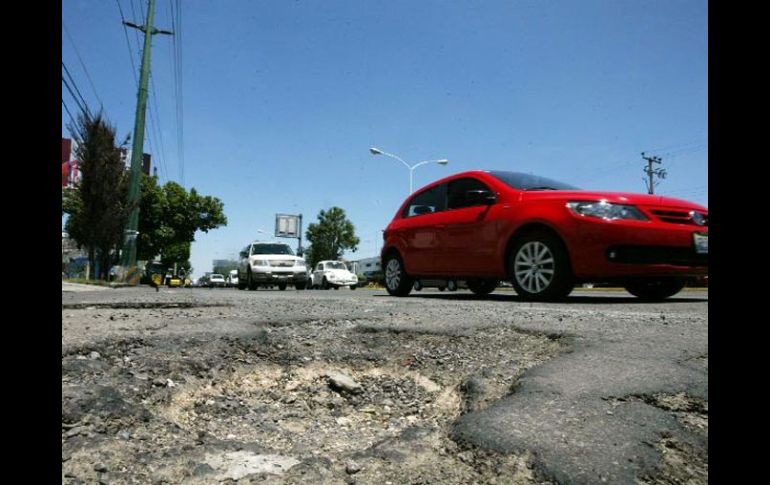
300,286
252,285
441,288
397,281
539,267
655,290
353,287
325,284
282,286
482,287
418,285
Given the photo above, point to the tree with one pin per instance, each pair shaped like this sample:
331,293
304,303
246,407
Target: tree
330,237
97,206
169,216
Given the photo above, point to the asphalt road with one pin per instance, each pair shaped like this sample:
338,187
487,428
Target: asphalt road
624,401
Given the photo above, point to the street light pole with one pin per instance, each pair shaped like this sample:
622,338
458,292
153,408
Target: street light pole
377,151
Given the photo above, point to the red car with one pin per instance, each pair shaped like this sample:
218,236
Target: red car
544,236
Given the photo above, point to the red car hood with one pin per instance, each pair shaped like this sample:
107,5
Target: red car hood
616,197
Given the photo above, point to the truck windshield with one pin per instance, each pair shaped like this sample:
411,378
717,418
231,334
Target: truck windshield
271,249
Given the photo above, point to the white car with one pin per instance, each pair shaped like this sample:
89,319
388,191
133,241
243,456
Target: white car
270,264
333,274
217,280
232,278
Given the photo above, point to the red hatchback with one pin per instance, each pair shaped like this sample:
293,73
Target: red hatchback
544,236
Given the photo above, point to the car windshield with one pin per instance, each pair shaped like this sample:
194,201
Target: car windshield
527,181
336,265
217,277
271,249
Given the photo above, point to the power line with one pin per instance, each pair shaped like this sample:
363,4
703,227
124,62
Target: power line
88,76
83,109
155,121
72,80
75,126
136,34
128,43
176,19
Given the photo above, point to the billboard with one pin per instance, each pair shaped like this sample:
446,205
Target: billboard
287,225
70,171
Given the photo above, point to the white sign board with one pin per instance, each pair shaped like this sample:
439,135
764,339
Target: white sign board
286,225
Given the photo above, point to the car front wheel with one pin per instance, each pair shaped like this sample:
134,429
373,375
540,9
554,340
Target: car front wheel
397,282
540,268
655,290
250,281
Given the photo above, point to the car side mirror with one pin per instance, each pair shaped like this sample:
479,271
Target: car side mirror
481,197
244,255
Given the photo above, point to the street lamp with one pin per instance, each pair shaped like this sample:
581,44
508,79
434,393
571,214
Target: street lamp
377,151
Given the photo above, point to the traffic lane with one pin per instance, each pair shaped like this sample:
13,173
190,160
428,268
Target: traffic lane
613,349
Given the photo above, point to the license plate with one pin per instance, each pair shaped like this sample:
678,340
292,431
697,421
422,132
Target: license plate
701,243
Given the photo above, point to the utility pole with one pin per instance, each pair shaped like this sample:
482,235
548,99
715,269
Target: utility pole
659,172
130,272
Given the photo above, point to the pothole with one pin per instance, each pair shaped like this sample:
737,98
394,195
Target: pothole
238,464
295,410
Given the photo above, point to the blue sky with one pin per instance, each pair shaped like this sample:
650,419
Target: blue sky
282,99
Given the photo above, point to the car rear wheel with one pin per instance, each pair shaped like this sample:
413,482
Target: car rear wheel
539,267
655,290
482,287
397,281
325,284
353,287
282,286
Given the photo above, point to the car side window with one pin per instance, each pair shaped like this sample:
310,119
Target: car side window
457,193
426,202
320,267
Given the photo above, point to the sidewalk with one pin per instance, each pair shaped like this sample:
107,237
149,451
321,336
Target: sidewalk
66,286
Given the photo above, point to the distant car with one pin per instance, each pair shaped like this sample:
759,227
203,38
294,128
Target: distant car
333,274
544,236
216,280
270,264
232,279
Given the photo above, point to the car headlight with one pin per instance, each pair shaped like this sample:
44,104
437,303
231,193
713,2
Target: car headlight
299,262
261,262
606,210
